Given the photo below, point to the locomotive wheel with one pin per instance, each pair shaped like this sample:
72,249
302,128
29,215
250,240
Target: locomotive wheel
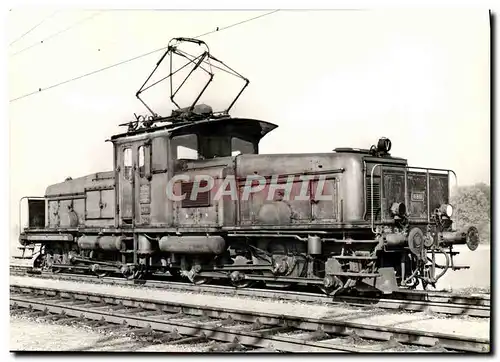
53,261
101,274
330,291
197,280
128,273
175,273
237,280
325,290
129,276
331,285
38,263
132,276
242,283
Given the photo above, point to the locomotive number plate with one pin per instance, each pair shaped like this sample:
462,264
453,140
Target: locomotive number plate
417,196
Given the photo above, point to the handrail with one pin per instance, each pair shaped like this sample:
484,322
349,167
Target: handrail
406,169
371,196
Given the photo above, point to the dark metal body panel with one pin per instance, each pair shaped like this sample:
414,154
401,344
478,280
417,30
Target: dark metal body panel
262,207
131,198
417,196
422,190
126,198
211,215
141,200
90,198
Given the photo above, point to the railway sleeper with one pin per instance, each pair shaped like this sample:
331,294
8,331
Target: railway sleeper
166,317
222,322
263,350
438,348
116,329
142,331
96,323
132,310
235,345
53,317
36,313
112,326
98,306
391,344
69,320
273,330
79,303
151,313
174,337
311,336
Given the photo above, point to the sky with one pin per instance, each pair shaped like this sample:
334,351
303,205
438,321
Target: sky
327,78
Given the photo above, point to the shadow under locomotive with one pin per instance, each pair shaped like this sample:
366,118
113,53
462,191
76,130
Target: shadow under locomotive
381,225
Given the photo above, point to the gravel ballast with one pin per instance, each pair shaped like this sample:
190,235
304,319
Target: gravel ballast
33,335
478,328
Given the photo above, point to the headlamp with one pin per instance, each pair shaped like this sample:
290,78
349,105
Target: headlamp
446,209
398,209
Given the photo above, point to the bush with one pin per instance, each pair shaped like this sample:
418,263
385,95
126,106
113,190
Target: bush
472,205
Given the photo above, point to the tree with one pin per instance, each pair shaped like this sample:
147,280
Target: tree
472,205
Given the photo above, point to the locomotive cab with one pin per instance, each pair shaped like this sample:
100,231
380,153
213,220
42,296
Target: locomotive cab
146,160
218,138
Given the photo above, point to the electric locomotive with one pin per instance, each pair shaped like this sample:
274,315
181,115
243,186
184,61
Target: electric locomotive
191,196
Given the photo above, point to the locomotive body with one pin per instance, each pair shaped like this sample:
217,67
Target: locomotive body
322,219
194,198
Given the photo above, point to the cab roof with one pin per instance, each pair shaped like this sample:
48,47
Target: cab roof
246,128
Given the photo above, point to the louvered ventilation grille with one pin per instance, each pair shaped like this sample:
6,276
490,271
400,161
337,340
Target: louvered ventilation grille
202,199
376,199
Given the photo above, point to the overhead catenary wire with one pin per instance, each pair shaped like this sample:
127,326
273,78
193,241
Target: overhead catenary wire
133,58
33,28
239,23
81,21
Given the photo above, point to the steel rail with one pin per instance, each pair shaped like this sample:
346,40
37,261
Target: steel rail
170,318
314,334
435,302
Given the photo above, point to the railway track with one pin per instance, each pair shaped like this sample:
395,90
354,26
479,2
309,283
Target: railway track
435,302
236,329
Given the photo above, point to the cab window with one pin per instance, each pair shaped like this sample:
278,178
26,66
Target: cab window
239,146
127,164
213,146
142,168
185,147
